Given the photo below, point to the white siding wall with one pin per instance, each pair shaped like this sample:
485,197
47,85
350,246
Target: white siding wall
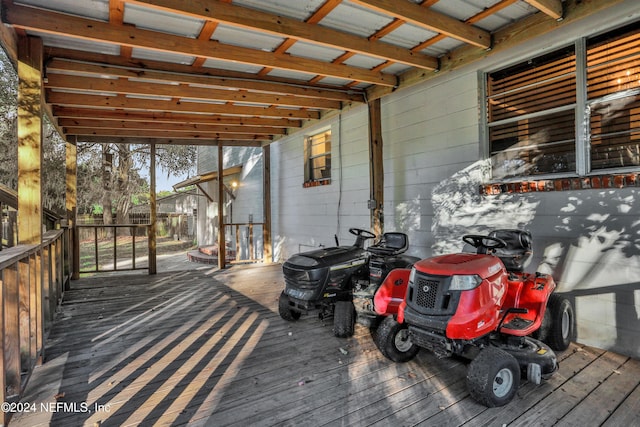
589,240
248,197
310,217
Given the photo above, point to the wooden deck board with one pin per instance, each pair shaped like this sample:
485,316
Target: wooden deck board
203,347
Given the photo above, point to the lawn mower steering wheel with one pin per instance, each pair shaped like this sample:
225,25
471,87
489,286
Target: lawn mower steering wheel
359,232
484,242
361,236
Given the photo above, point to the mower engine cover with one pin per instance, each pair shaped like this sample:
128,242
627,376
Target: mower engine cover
456,295
323,273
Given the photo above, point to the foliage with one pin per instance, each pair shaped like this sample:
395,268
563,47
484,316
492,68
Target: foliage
8,120
120,186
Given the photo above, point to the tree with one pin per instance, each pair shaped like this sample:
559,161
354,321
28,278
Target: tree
119,167
8,123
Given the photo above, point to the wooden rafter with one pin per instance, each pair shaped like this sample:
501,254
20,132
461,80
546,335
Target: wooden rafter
93,124
249,83
95,139
96,101
141,133
30,18
431,20
127,87
292,29
171,117
553,8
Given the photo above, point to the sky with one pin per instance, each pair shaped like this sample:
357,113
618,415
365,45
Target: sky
164,182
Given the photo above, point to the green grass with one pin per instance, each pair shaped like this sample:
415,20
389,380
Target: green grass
124,251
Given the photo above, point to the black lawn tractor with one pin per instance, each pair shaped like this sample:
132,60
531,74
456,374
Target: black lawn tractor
324,280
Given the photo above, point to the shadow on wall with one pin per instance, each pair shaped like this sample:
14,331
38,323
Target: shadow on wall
592,246
459,209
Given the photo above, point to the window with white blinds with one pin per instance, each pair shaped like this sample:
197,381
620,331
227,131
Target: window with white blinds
317,154
533,118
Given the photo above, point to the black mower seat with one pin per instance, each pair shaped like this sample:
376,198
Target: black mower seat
515,256
390,244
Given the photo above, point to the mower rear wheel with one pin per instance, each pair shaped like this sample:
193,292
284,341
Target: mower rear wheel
493,377
284,308
344,319
561,325
393,341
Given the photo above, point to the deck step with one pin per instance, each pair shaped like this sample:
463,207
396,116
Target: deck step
209,255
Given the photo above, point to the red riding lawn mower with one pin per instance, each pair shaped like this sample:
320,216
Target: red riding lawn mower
481,306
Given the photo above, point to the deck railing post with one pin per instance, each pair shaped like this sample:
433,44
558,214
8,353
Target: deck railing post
11,343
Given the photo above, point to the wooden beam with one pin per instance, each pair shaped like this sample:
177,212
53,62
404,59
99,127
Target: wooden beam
188,76
29,18
100,124
425,18
507,38
266,203
77,114
248,81
376,169
153,268
148,88
219,136
165,141
293,29
30,155
221,239
96,101
552,8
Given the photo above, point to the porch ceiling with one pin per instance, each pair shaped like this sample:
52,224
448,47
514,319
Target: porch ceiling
249,71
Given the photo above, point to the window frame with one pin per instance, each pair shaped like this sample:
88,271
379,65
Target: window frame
582,118
310,180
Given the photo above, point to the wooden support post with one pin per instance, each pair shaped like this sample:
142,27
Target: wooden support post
376,168
154,216
266,201
221,240
71,201
29,140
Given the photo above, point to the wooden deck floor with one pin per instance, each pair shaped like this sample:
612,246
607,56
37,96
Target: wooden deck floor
208,348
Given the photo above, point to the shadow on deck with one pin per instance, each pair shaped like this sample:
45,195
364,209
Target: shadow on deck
207,347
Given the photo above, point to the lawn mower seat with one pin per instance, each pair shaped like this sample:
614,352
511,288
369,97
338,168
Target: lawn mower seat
517,254
390,244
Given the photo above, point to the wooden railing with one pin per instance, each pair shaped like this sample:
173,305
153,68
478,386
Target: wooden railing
33,280
91,255
249,245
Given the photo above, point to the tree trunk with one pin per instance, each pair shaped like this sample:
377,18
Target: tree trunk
107,168
125,164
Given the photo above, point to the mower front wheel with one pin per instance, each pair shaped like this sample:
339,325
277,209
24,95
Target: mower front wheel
284,308
393,341
344,319
493,377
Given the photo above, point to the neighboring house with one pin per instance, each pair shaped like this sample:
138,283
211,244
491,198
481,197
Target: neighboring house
243,206
568,170
176,213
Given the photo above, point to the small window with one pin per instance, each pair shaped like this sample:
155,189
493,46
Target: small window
317,159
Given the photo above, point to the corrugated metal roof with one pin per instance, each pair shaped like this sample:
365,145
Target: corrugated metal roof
300,57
